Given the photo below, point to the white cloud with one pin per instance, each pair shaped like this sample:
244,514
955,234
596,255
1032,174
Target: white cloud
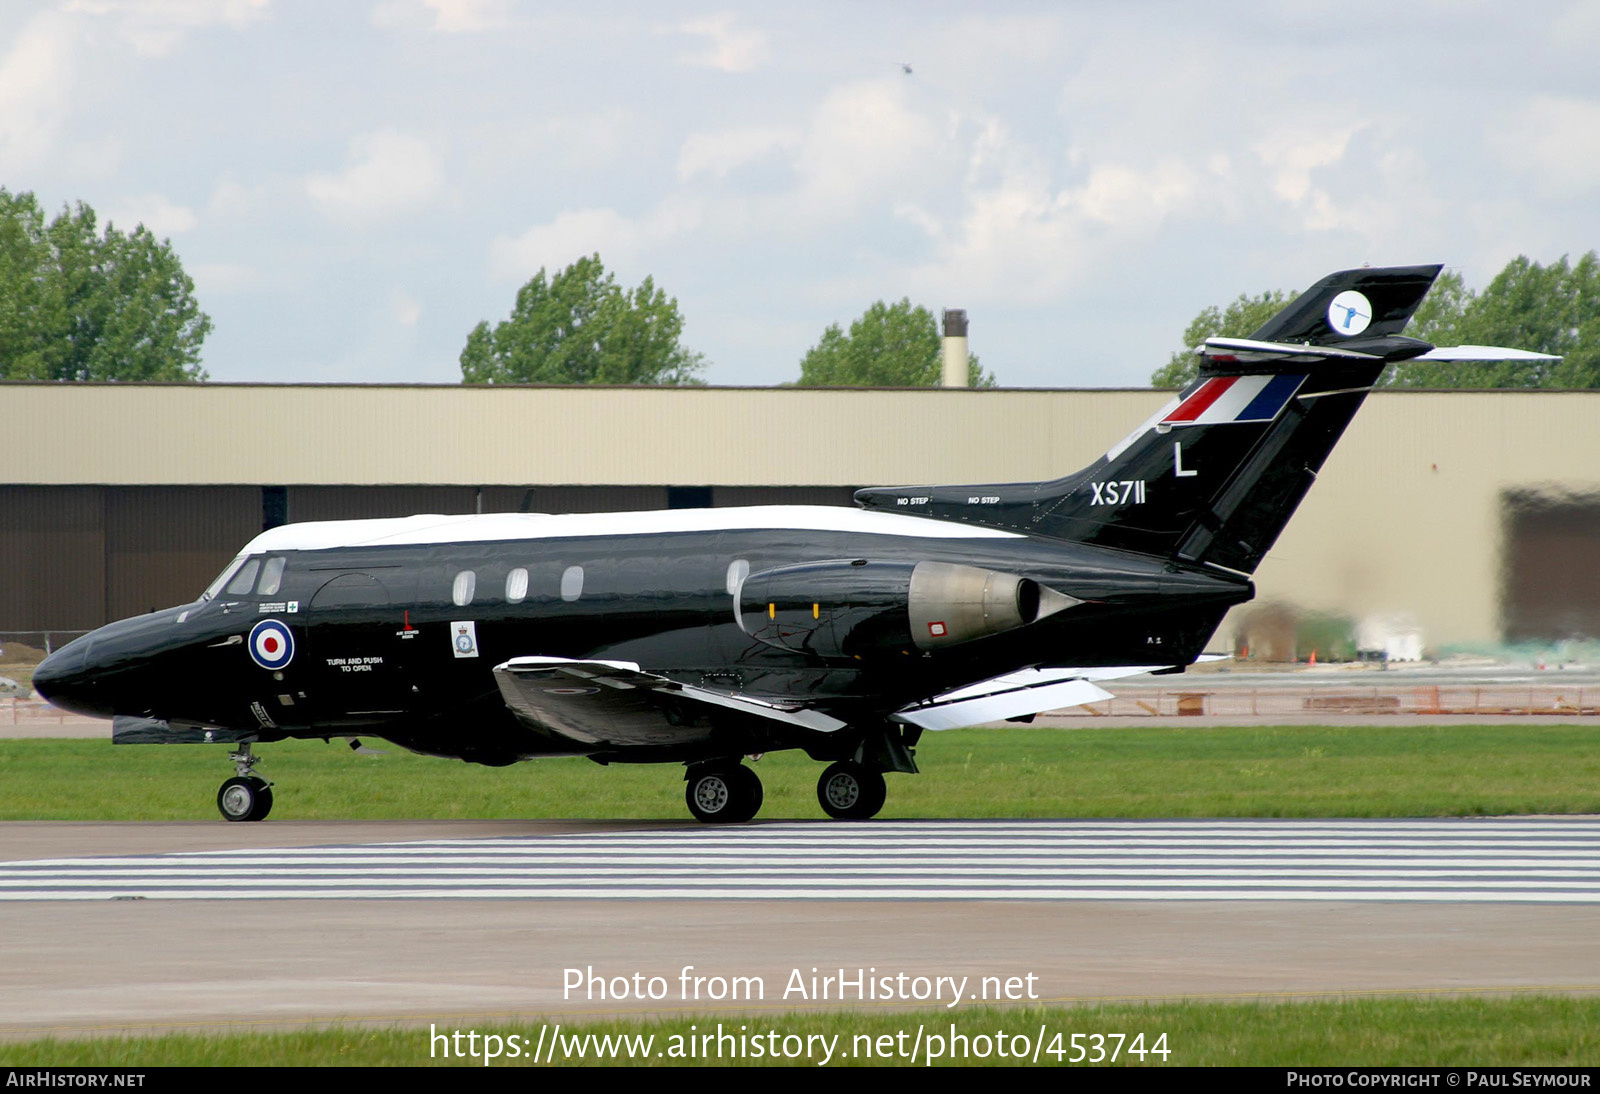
1133,199
721,152
155,212
222,278
1024,240
407,308
864,141
729,48
462,16
620,241
155,27
445,16
390,173
1557,140
1291,159
36,77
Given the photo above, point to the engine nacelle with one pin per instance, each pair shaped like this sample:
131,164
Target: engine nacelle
859,607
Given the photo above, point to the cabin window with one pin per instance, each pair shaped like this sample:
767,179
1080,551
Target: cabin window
271,576
738,570
245,579
461,591
572,583
516,586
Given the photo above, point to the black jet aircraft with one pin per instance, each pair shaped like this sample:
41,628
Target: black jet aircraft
704,636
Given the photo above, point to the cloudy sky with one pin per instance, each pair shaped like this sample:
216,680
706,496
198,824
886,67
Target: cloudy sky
354,185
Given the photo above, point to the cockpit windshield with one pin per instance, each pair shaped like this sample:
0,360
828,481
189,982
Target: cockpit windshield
239,579
223,578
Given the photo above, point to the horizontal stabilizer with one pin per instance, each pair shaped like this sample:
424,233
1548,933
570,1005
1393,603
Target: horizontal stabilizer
1248,351
1483,353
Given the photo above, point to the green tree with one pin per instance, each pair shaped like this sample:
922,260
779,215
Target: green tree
76,304
1547,309
891,345
580,327
1239,319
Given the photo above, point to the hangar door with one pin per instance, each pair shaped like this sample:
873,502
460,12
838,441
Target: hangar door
1550,589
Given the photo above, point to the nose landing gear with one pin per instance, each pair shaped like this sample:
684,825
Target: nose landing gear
246,796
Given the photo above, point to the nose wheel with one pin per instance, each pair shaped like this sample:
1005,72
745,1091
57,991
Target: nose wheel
246,796
723,793
245,799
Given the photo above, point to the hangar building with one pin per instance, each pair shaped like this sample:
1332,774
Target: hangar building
1465,518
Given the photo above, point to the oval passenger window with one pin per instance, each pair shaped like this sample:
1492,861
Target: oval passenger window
572,583
516,586
461,592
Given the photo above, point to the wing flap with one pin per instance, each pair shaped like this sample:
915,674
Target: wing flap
616,702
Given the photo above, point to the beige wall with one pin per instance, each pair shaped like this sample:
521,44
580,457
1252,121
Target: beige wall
1406,517
338,435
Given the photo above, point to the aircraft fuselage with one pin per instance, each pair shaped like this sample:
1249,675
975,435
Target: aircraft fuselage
399,639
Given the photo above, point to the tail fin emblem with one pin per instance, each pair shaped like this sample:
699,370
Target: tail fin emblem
1349,312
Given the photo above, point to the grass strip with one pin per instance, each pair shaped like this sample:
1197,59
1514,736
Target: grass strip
1270,771
1459,1032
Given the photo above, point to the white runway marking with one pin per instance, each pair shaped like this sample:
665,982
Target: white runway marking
1544,860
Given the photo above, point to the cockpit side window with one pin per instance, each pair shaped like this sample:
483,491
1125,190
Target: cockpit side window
245,579
271,576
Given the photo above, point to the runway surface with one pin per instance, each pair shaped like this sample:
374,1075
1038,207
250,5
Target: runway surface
1527,860
1094,910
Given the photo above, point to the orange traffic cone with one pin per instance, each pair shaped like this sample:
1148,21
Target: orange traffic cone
1313,657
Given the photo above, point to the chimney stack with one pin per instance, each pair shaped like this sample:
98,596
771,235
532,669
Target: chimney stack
955,348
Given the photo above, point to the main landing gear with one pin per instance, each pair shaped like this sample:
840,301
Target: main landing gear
246,796
851,791
723,792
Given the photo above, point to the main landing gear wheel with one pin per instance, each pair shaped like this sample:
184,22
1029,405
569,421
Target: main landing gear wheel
723,795
849,791
245,798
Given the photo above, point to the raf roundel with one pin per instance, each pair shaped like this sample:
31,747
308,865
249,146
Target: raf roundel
271,644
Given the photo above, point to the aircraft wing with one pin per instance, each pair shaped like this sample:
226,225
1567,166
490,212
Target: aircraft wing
1014,695
616,702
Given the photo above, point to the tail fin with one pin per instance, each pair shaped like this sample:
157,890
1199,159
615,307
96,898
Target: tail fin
1215,474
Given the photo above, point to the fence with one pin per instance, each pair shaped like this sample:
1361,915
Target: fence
21,712
1284,701
34,645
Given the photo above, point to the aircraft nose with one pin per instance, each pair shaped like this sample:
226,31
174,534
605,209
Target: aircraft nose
65,679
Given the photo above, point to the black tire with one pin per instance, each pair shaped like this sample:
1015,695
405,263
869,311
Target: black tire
751,794
848,791
245,798
723,795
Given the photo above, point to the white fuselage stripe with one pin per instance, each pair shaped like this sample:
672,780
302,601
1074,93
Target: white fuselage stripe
429,529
